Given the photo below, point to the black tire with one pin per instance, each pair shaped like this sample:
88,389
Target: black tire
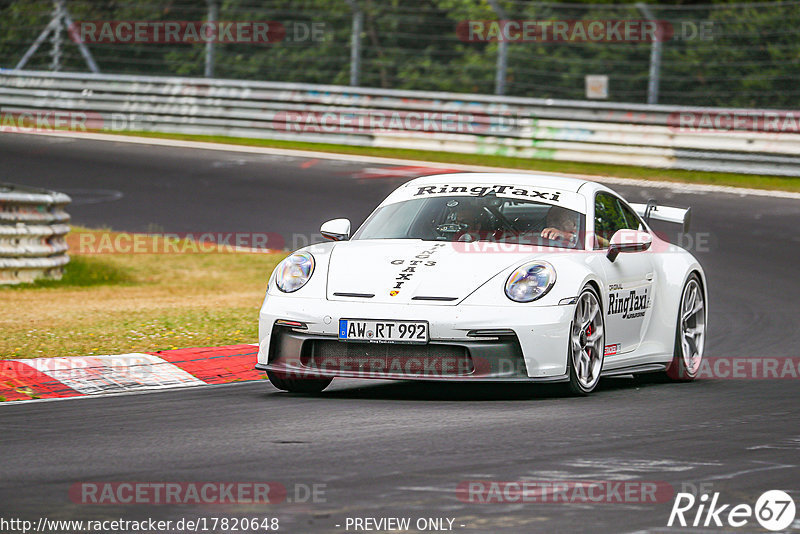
575,385
677,371
298,385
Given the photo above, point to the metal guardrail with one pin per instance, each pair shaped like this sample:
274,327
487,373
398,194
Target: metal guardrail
32,234
588,131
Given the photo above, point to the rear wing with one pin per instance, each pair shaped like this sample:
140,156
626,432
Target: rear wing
652,210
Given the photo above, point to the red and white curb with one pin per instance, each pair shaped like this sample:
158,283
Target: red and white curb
55,378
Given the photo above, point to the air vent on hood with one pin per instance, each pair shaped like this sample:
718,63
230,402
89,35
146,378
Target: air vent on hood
356,295
440,299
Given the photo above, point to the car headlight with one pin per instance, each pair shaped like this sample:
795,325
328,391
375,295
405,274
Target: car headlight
294,272
530,281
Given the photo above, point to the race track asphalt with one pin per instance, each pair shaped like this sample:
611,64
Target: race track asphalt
401,449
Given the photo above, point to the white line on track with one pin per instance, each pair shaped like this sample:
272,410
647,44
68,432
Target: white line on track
175,143
136,392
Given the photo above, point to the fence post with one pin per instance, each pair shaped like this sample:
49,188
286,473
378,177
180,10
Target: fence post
53,26
36,44
502,53
355,42
55,37
655,58
212,18
69,23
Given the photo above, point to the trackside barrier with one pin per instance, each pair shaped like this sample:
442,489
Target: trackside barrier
32,234
711,139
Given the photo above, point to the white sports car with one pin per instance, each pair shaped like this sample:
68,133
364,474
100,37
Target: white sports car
488,276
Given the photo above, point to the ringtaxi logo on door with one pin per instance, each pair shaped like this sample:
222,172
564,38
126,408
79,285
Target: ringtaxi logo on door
774,510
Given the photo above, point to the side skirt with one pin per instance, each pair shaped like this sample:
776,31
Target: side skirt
634,369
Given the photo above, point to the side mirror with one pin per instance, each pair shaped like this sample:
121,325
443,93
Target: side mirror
628,241
336,230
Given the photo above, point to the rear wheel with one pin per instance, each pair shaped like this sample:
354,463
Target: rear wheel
298,385
586,344
690,333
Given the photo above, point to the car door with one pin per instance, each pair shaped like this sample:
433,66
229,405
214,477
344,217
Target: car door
630,279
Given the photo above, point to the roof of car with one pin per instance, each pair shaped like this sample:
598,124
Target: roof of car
541,180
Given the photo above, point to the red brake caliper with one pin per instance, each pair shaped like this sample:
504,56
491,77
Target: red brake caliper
588,330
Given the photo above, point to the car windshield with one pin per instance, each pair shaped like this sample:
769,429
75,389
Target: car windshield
469,218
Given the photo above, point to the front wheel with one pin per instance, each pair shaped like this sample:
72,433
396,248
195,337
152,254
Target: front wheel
690,333
298,385
586,344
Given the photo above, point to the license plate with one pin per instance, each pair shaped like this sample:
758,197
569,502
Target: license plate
383,331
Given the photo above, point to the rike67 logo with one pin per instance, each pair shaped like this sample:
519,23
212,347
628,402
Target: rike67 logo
774,510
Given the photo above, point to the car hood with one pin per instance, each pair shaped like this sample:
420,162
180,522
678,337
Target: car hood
407,271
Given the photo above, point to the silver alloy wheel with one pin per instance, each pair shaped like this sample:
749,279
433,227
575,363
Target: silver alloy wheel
692,327
586,341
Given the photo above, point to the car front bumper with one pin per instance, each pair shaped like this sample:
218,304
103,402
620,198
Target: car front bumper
467,342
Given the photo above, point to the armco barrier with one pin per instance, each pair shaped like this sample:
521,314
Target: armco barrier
588,131
32,230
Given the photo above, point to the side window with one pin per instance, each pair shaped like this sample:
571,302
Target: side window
630,217
610,216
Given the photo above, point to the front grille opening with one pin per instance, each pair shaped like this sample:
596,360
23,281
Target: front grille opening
434,360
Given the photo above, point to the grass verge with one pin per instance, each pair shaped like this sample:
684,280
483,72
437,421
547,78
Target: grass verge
596,169
118,303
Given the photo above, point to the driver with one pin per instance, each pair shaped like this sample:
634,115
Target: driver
561,224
